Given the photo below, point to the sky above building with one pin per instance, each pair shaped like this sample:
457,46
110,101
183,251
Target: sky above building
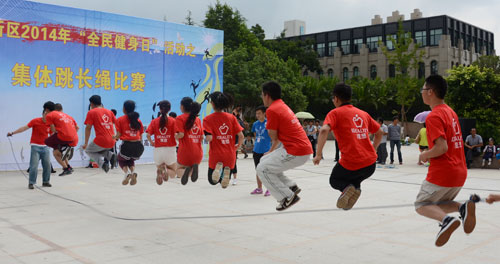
319,15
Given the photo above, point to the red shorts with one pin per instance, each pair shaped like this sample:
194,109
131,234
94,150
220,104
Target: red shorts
55,143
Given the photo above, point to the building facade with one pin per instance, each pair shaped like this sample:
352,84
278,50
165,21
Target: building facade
447,42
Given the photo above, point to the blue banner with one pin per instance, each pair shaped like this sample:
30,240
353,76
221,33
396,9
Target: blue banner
66,55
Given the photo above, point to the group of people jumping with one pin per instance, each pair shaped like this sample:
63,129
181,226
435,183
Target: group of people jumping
289,147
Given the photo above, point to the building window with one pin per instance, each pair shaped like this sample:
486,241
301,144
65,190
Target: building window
330,73
331,47
346,46
373,72
435,35
434,67
452,65
389,43
345,74
355,72
421,70
372,43
392,71
357,45
321,49
421,38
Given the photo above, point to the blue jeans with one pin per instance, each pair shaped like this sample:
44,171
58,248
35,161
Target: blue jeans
398,145
43,154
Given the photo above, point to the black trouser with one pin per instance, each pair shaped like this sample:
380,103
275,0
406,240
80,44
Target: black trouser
471,153
342,177
382,152
337,151
256,158
313,144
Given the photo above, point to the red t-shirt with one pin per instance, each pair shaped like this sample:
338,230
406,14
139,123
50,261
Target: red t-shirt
164,137
352,127
449,169
65,126
281,118
126,132
40,131
102,119
190,151
223,127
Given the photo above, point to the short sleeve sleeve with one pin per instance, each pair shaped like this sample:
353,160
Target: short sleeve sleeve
206,125
373,126
31,123
150,130
48,119
88,119
272,120
480,139
179,126
435,128
330,120
142,127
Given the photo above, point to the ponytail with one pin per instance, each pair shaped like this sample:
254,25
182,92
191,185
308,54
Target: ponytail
164,109
129,107
191,107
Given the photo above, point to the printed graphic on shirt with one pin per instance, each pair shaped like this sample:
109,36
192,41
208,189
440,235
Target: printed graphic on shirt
457,139
195,138
224,138
359,130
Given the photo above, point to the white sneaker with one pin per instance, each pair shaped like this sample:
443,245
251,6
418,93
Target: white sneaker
235,181
489,162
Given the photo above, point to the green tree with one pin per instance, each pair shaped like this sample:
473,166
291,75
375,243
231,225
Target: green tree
405,58
300,51
489,61
474,92
258,31
318,93
189,20
370,95
224,17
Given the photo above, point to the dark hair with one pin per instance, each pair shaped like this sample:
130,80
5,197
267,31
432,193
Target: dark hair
172,114
261,108
193,108
58,107
114,111
164,109
95,100
343,92
438,84
380,119
221,101
49,105
129,107
273,89
395,117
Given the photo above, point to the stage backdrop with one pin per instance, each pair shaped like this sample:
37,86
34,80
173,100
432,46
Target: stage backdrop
66,55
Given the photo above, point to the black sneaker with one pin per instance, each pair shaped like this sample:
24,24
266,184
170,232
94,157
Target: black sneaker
194,175
468,216
70,168
295,189
52,169
30,186
449,225
185,176
28,170
46,184
112,160
286,203
65,172
105,166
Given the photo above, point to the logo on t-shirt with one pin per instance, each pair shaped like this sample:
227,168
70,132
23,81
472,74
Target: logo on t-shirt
456,128
105,118
457,139
163,131
358,121
224,129
195,129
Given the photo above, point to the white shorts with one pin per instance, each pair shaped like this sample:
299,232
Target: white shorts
167,155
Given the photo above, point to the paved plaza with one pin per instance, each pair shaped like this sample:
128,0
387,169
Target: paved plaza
200,223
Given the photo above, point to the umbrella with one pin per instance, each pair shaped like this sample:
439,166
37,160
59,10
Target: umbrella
304,115
420,117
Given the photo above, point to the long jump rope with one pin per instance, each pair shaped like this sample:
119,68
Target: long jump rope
475,198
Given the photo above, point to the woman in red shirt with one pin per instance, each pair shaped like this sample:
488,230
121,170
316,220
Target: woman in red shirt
165,156
129,130
221,129
189,132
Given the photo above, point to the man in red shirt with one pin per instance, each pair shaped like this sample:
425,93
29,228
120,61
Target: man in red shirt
65,135
103,120
39,151
448,171
290,148
351,127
